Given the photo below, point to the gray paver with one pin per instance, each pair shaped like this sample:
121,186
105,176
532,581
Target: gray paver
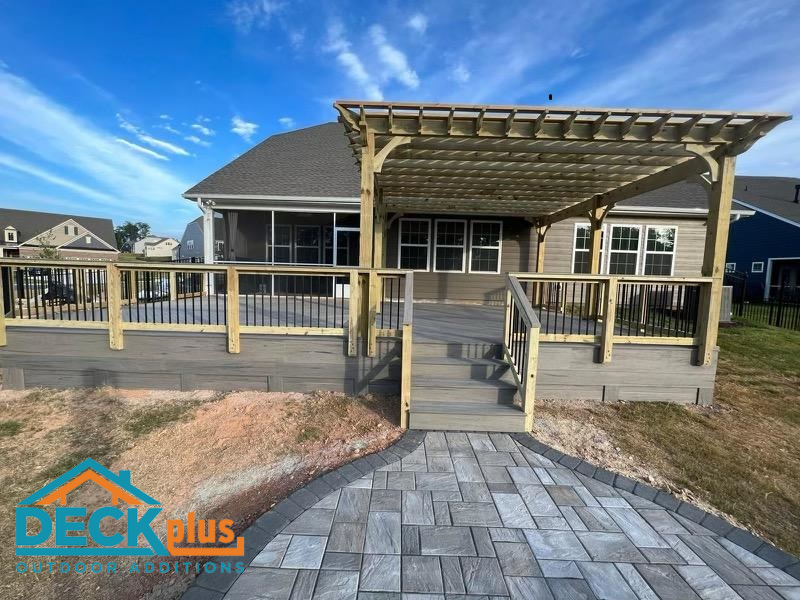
477,516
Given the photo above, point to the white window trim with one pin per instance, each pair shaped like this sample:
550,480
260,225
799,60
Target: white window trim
190,244
436,246
638,251
11,236
729,267
400,244
753,266
603,238
674,252
499,248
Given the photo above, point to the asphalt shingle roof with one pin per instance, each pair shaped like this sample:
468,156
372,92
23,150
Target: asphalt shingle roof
771,194
315,161
31,223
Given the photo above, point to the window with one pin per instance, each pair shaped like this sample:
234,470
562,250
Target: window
11,235
283,243
327,245
659,251
189,244
218,245
582,248
66,229
414,241
757,267
485,244
450,246
307,244
730,267
75,231
88,239
623,255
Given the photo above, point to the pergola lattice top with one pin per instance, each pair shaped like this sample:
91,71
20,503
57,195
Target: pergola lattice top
538,162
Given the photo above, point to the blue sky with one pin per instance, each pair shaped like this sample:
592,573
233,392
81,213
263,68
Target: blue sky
115,108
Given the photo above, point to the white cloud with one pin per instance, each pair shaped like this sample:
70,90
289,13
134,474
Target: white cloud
249,14
202,129
351,63
418,22
148,139
393,59
165,117
460,73
141,149
242,128
297,37
196,140
287,122
56,135
170,128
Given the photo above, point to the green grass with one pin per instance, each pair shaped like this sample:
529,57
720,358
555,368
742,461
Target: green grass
10,428
753,344
144,420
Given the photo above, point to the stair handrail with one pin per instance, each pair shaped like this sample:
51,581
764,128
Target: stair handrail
521,344
405,358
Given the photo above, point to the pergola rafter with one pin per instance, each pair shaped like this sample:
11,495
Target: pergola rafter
545,164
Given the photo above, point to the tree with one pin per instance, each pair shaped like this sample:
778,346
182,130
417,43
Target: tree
48,250
129,233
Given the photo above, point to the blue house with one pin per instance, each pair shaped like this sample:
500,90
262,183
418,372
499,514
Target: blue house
765,247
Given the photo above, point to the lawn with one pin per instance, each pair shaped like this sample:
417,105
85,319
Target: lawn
741,456
220,455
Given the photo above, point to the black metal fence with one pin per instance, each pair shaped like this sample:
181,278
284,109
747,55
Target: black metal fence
780,307
657,310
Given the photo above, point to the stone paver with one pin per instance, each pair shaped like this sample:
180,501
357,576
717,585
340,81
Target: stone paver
479,515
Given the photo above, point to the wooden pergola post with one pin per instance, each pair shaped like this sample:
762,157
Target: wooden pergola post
541,239
367,201
719,215
596,218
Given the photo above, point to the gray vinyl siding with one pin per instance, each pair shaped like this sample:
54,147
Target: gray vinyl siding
517,254
689,244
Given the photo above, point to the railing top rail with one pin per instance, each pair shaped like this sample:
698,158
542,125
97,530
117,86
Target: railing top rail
588,277
526,310
408,300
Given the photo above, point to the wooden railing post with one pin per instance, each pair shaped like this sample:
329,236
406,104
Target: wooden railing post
354,307
406,350
507,321
532,352
232,299
3,340
114,296
173,285
609,319
134,287
372,316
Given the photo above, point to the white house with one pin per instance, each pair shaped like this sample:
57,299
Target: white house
155,246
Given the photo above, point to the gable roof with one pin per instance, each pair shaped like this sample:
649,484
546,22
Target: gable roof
311,162
121,481
33,223
771,195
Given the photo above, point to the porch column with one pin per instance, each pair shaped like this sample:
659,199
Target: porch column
596,218
367,200
541,234
719,215
208,246
380,236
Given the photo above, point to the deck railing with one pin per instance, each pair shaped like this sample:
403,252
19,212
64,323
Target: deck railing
234,299
609,309
521,344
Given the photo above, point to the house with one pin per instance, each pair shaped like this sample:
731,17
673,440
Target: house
294,199
765,248
155,246
29,234
192,241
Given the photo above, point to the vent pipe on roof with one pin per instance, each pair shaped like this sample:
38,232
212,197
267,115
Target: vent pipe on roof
797,194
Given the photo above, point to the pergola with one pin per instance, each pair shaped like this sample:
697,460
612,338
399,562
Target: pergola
544,164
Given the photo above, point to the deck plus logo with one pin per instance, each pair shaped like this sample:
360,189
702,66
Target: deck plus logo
74,531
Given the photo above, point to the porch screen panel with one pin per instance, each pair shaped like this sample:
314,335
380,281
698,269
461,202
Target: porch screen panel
307,244
283,243
659,251
415,237
624,252
485,241
451,240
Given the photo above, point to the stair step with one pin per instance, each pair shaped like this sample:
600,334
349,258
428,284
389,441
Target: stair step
465,416
445,367
487,390
457,350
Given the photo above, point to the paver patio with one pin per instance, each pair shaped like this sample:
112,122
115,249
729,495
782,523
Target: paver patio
469,516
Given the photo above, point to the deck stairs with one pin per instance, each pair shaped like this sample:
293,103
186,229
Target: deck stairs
459,386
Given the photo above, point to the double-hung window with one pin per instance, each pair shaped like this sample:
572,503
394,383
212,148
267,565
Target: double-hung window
659,251
282,243
485,244
307,244
582,248
414,244
450,245
623,254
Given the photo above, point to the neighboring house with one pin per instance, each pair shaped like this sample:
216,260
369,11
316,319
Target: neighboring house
294,199
192,241
27,234
766,246
155,246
